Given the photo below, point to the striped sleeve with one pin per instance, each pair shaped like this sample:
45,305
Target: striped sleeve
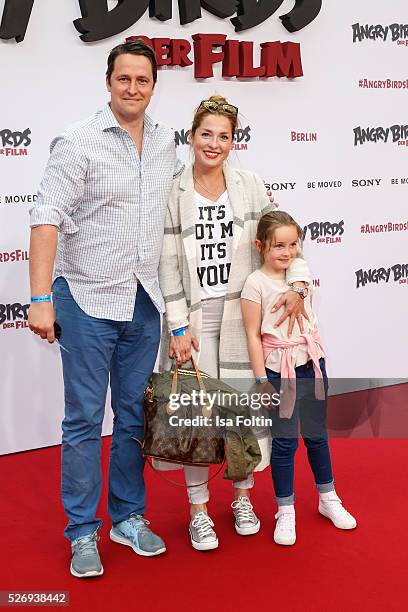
170,276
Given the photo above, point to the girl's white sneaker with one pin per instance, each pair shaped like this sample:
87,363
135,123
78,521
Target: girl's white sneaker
330,505
285,530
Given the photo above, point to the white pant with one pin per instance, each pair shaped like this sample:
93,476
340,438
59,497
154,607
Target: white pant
209,363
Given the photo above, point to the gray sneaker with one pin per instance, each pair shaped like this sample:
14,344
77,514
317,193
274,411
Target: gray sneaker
85,561
202,534
134,532
246,521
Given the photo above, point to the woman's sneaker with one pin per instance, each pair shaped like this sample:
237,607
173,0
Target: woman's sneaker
202,534
330,505
246,521
85,562
285,530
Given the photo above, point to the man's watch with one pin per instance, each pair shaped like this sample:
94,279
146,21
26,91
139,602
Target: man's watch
302,291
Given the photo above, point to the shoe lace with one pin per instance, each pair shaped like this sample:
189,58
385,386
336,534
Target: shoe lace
87,544
337,506
203,524
286,520
243,508
139,522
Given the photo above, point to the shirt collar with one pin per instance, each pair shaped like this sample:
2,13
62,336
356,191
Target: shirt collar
107,120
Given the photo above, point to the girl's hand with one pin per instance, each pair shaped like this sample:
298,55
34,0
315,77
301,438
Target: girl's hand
295,309
180,347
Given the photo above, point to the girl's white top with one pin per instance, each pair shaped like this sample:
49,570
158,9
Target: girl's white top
264,290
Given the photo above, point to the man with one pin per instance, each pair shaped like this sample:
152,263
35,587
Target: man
105,192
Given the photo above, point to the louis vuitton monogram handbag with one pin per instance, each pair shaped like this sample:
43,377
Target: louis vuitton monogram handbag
182,425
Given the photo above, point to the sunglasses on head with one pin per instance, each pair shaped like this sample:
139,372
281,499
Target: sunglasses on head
212,105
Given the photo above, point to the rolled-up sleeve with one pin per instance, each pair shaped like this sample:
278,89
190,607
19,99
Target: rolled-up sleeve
298,271
62,187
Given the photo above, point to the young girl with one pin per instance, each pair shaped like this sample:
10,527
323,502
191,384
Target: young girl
283,361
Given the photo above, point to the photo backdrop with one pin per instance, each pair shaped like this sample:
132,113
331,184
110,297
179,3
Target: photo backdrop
331,144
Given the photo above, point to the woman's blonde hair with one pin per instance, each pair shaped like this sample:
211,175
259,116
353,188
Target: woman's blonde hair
269,223
201,113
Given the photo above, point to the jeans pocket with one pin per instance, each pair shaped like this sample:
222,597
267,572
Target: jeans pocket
322,363
60,289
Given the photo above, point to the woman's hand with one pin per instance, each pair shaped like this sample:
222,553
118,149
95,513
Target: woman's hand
180,347
295,309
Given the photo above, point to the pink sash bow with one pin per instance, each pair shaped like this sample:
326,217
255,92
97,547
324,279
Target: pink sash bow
288,374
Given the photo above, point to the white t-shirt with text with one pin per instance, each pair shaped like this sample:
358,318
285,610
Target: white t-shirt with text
214,236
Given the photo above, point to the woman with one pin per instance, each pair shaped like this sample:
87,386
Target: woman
208,253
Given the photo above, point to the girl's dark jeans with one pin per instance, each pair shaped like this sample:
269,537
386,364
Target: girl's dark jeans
310,413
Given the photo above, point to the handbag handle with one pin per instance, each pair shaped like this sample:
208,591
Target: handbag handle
206,408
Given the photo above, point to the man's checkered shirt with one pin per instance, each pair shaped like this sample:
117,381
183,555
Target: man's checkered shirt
109,207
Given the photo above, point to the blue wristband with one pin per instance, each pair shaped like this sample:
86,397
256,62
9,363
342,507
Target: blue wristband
181,331
41,298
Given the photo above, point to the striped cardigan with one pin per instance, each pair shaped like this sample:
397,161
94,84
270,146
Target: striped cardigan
178,265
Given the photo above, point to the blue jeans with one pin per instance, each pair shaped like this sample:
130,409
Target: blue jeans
311,413
94,349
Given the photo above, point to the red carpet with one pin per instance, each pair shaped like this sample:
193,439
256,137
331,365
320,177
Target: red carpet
327,569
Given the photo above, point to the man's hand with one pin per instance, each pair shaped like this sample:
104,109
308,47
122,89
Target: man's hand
41,319
295,309
180,347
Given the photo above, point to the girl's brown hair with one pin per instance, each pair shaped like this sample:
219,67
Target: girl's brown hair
202,112
269,223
